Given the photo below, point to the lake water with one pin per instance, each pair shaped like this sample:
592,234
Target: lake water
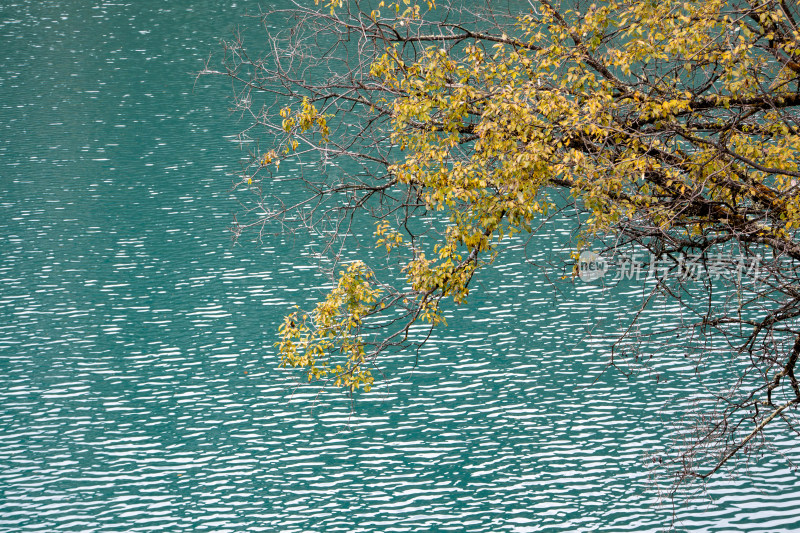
138,382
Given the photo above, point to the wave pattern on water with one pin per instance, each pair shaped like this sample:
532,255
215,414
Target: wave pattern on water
138,387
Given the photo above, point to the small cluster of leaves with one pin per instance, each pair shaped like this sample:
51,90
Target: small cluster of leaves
306,119
327,341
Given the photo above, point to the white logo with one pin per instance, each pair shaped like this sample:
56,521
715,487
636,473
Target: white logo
591,266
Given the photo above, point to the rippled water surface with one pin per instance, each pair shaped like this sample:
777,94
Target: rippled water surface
138,389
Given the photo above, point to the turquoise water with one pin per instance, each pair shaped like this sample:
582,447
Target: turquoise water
137,376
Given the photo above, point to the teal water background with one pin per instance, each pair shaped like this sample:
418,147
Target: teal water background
138,388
